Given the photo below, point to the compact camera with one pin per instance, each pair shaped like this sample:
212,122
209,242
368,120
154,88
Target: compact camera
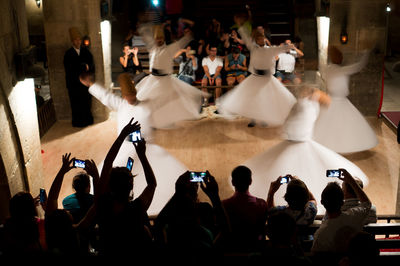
197,176
333,173
79,163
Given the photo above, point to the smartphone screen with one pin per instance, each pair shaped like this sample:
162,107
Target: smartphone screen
129,164
42,195
284,180
135,136
79,163
332,173
197,176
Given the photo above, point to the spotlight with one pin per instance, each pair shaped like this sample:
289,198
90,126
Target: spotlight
38,3
344,37
388,9
155,2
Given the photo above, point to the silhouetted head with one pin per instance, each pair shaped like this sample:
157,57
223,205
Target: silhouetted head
121,182
81,183
297,194
241,178
184,187
332,197
22,206
363,249
281,228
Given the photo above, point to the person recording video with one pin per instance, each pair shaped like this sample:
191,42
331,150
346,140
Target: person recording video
129,60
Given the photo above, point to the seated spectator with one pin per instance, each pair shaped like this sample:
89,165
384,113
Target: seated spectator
212,66
281,248
302,205
362,250
187,64
334,233
247,214
285,69
235,40
351,200
235,66
260,29
187,227
129,60
79,203
23,230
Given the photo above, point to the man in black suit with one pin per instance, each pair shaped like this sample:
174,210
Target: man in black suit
78,59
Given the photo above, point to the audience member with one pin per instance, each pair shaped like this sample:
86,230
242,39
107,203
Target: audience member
247,214
23,230
260,29
78,59
362,250
188,228
187,64
212,66
129,61
285,69
334,233
235,66
281,247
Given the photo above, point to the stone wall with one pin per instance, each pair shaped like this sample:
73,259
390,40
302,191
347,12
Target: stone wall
59,16
19,135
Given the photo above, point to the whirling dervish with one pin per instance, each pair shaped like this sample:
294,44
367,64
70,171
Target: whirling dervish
260,97
170,100
166,168
341,127
298,154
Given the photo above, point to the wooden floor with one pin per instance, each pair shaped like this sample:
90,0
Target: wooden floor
219,145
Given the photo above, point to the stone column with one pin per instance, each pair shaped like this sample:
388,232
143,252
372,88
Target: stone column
59,16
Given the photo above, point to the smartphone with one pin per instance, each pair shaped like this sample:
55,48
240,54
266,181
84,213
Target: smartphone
42,195
197,176
129,164
333,173
79,163
192,52
135,136
285,179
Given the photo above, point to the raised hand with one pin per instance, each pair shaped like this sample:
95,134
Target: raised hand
130,127
67,163
140,146
210,186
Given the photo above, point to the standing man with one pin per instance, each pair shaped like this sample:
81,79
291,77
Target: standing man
78,59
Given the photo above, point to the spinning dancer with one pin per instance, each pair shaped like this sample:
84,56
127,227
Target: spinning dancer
298,154
164,165
170,100
341,127
260,97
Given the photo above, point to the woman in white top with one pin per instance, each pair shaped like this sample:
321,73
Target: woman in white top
260,97
170,100
166,168
298,154
341,127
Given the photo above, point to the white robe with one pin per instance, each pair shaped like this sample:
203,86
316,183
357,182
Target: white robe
341,127
259,97
166,168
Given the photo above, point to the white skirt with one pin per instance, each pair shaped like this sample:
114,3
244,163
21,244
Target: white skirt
170,100
262,98
342,128
308,160
166,169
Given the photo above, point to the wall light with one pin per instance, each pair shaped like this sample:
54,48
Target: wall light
388,9
344,37
86,41
38,3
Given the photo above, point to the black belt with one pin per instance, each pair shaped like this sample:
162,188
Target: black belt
262,72
158,72
284,72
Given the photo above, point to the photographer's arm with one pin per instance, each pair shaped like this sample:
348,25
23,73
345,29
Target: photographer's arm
52,200
273,188
124,60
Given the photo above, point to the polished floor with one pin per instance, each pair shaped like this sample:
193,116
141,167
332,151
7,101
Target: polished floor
219,145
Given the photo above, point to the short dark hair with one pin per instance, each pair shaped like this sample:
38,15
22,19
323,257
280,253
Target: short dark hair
332,197
297,194
235,50
81,182
241,178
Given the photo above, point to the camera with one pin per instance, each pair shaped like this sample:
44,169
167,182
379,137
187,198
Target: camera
79,163
129,163
135,136
285,179
192,52
333,173
42,195
197,176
